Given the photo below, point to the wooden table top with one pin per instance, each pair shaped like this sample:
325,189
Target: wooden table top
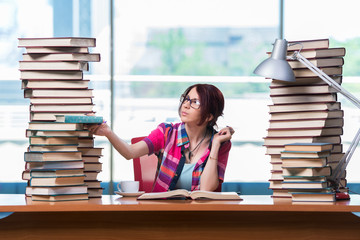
19,203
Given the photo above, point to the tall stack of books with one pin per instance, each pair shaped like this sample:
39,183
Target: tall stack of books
306,171
307,110
60,146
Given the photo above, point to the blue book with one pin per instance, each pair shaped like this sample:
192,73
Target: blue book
78,119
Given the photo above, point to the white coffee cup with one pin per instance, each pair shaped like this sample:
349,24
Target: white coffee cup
128,186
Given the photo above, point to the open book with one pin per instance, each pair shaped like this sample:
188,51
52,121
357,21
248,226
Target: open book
193,195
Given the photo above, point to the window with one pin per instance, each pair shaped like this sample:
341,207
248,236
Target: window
22,18
164,46
160,48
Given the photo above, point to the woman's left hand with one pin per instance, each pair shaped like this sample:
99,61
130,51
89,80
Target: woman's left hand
224,134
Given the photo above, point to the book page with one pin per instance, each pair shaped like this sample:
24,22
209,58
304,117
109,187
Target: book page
169,194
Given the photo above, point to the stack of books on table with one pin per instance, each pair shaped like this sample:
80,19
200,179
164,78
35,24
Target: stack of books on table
307,110
60,99
307,168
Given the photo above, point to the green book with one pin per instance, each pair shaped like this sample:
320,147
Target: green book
78,119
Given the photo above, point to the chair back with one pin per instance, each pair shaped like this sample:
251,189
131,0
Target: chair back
145,169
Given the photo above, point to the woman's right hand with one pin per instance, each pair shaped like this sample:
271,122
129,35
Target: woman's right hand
101,130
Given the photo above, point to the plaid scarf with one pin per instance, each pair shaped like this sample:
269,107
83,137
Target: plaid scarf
169,141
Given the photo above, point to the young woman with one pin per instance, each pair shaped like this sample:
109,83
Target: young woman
193,155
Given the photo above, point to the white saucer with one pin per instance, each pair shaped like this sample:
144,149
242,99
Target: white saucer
129,194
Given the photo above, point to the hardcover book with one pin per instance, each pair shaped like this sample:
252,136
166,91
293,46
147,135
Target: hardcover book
57,42
81,189
47,93
303,107
55,84
61,108
78,119
54,165
53,65
51,74
62,56
51,156
56,181
53,50
308,146
60,197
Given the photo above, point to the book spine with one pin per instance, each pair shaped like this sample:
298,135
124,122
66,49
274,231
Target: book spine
83,119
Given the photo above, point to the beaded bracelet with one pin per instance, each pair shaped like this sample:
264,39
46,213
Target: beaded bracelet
213,158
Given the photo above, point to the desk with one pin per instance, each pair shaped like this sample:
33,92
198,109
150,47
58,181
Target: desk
113,217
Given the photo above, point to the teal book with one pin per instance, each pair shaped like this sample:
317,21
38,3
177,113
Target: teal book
78,119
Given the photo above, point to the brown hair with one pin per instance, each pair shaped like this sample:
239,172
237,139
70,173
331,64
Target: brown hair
211,102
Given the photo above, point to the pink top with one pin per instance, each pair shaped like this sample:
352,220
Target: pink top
169,141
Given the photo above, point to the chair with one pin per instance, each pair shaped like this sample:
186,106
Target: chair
144,169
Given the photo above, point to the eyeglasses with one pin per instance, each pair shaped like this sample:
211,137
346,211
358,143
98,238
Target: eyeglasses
194,103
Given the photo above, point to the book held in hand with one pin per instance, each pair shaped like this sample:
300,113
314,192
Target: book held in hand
183,193
78,119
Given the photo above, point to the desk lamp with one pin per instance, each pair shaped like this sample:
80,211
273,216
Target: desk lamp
276,67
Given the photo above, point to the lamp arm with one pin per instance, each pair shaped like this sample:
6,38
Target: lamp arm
327,79
341,167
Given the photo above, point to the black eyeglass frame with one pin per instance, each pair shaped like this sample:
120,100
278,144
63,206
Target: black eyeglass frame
194,103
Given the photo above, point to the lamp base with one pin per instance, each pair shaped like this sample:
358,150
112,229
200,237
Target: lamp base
342,196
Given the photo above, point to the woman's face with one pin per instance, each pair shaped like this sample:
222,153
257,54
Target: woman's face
190,113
